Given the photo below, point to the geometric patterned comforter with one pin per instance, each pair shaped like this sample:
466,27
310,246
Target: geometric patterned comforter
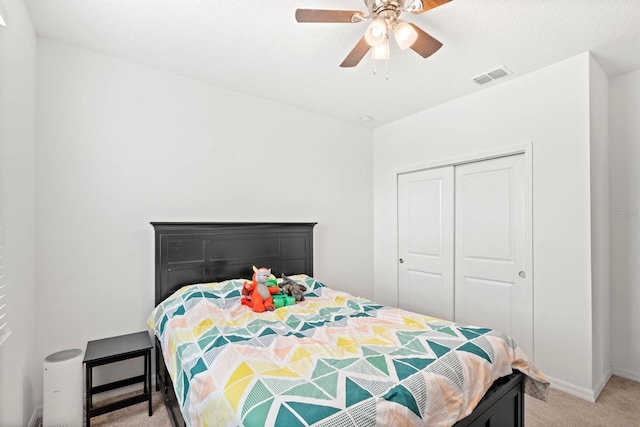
331,360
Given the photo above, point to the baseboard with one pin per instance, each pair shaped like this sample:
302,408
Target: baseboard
572,389
37,415
602,383
633,376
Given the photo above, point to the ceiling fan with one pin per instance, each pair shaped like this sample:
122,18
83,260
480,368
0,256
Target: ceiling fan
385,16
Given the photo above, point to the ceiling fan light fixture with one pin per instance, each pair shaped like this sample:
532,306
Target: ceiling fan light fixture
376,32
404,34
381,52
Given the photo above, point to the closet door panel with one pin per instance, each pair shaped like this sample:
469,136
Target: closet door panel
425,242
492,287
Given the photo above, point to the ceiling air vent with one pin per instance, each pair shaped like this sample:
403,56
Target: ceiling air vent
492,75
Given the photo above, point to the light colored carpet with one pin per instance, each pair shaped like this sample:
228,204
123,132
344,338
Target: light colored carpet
618,405
136,415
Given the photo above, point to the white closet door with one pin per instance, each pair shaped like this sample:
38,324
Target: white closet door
493,287
425,242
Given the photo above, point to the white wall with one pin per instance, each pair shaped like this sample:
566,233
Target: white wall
624,217
20,366
599,149
549,109
120,145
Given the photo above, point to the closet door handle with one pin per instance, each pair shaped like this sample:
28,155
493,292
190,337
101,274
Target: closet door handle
522,274
400,260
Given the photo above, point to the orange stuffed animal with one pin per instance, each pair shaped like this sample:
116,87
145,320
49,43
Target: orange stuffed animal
256,294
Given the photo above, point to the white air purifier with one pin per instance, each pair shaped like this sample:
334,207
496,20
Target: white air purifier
62,400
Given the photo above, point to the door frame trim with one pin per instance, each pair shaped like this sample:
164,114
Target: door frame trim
527,150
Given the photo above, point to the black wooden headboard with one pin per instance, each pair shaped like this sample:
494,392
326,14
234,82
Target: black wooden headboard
202,252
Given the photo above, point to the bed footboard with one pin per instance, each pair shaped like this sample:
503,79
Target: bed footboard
501,406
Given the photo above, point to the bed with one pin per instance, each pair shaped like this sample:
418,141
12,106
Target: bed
333,360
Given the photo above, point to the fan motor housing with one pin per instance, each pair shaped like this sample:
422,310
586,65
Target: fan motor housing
376,5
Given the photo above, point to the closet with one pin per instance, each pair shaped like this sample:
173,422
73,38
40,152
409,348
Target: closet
464,245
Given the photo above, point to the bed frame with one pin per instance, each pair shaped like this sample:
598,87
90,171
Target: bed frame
187,253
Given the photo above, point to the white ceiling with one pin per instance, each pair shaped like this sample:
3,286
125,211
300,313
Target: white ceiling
256,46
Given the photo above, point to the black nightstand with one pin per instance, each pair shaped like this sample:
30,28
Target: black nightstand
115,349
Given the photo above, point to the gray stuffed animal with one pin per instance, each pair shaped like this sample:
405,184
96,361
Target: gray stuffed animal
292,288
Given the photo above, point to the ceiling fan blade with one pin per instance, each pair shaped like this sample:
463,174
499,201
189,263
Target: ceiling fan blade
356,54
319,15
425,45
430,4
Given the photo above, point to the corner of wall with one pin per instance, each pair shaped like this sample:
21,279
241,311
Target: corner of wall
20,386
599,190
624,222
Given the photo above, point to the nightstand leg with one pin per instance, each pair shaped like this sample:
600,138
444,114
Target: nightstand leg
88,385
147,384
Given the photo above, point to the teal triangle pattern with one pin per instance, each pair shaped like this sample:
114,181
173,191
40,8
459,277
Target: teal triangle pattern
308,390
233,294
322,368
185,386
353,305
286,418
329,383
418,363
309,412
378,362
474,349
400,395
405,337
255,326
200,366
267,331
204,342
367,351
375,386
416,346
293,322
258,394
363,367
471,333
355,393
447,330
219,342
281,385
256,416
236,338
403,370
163,322
341,363
438,349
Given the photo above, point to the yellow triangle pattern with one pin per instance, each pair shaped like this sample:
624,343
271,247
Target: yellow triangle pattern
347,345
242,371
411,322
299,354
234,392
202,327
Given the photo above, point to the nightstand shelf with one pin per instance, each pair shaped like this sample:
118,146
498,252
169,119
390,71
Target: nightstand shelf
111,350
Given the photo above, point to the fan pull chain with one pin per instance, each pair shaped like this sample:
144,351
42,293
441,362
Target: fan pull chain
386,69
